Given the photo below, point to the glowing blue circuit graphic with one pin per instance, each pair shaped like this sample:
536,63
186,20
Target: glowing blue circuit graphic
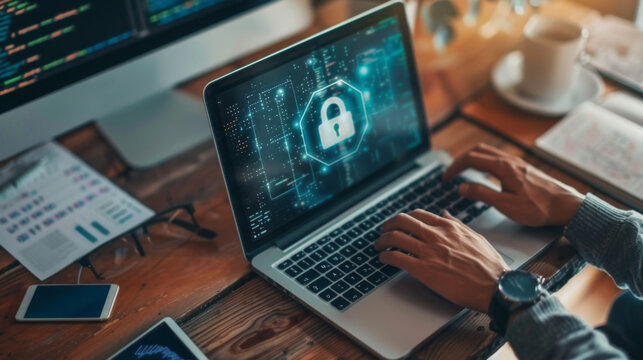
288,155
156,350
160,342
330,139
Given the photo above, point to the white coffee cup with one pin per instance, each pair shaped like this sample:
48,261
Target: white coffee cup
550,49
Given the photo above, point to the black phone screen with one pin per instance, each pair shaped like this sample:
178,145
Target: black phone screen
67,301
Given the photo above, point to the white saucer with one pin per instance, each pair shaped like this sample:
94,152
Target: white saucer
507,75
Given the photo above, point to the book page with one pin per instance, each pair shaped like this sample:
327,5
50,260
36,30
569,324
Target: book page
600,143
626,105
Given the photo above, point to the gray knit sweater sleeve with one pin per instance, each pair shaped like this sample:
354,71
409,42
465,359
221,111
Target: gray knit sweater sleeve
547,331
608,238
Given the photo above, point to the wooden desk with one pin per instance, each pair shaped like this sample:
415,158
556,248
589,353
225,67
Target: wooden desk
208,287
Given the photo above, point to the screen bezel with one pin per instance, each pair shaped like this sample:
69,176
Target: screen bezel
313,219
106,311
176,329
174,33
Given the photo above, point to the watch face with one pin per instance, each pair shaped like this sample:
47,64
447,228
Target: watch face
519,286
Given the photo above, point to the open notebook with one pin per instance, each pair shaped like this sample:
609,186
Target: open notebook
601,146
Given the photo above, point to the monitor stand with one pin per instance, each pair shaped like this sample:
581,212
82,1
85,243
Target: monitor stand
156,129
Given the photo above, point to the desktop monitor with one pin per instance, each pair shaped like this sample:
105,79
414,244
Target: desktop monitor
64,63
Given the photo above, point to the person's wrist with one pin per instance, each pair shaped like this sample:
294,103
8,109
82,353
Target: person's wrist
491,288
488,293
565,207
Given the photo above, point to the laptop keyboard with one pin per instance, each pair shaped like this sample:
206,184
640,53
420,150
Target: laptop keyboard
343,266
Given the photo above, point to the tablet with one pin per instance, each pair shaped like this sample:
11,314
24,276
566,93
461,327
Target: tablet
165,340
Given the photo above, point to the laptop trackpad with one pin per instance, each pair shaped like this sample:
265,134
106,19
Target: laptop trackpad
415,293
398,316
516,243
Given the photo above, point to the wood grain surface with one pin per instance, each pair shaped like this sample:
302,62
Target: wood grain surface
209,288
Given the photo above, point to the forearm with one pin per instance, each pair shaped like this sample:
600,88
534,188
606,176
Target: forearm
548,331
610,239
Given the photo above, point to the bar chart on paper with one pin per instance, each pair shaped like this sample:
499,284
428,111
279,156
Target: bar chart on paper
59,209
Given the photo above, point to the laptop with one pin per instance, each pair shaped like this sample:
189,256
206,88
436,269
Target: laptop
319,144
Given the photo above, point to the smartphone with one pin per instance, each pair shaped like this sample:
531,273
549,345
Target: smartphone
68,302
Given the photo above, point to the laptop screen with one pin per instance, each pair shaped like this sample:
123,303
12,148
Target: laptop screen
298,134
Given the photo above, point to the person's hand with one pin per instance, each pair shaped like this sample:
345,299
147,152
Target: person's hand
448,257
528,195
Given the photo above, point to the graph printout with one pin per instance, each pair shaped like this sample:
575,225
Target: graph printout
54,209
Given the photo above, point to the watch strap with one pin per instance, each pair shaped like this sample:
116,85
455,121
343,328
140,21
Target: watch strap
499,314
501,309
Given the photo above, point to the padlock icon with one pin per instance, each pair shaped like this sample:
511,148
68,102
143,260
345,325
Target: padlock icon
337,129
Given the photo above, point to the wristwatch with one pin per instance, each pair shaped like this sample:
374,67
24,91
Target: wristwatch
516,290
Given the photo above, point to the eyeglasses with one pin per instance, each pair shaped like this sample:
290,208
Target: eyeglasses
167,230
